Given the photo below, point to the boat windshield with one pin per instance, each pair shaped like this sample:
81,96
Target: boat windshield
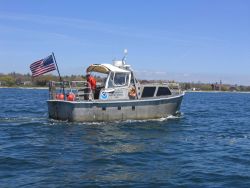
118,79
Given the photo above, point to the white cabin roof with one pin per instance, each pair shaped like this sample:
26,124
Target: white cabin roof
105,68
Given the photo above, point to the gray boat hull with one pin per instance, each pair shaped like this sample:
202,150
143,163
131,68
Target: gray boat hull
101,111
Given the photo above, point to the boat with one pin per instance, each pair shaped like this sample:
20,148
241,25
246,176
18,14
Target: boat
118,96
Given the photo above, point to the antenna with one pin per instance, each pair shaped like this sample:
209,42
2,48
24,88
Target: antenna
125,55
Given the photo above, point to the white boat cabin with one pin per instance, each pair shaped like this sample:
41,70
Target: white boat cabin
118,83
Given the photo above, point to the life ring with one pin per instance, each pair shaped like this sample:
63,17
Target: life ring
132,92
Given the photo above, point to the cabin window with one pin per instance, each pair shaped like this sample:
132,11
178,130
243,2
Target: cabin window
148,92
163,91
121,79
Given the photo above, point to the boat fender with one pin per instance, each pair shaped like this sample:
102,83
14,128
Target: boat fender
60,96
71,97
132,92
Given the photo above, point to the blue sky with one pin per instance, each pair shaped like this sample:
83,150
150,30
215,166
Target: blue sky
194,40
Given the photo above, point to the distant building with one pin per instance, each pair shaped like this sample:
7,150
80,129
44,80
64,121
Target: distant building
220,86
195,89
233,88
27,83
216,86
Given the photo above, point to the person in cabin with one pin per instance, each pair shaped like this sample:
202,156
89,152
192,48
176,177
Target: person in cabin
91,83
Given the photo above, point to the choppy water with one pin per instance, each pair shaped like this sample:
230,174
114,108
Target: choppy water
208,146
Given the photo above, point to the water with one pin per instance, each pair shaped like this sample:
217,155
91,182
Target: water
207,146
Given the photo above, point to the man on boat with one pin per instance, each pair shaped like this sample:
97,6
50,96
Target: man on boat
91,83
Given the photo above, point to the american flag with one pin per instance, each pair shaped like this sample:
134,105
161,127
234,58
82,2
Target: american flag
42,66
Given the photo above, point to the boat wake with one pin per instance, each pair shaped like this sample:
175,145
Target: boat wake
171,117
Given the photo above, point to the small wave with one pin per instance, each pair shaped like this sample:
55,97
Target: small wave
14,161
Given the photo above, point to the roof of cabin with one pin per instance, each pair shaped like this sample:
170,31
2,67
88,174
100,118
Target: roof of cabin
105,68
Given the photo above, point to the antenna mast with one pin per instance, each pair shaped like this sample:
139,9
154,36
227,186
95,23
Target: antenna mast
125,55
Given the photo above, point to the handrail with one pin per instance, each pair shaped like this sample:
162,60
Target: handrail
80,89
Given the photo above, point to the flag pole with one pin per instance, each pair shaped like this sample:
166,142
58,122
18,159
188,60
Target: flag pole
59,75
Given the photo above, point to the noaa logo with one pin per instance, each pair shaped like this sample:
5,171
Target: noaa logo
104,96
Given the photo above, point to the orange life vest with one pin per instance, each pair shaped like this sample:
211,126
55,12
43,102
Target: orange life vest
92,82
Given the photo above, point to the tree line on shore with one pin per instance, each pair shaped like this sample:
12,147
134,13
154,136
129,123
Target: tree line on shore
214,87
25,80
